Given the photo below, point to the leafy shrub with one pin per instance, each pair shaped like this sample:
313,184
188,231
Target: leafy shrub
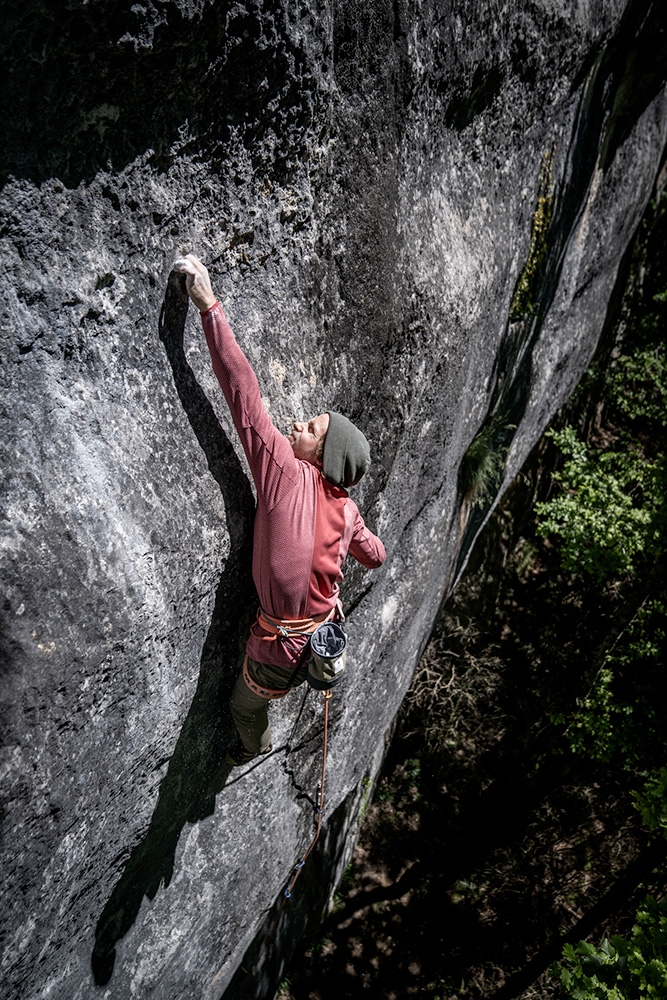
621,718
610,510
639,385
483,464
620,969
652,802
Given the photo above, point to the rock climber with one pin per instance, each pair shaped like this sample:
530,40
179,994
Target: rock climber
305,524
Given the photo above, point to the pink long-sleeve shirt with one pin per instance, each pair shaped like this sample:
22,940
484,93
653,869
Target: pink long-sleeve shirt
304,525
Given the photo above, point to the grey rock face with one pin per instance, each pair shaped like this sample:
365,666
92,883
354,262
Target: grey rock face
414,213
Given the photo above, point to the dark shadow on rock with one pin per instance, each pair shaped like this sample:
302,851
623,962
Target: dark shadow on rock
196,771
91,85
289,921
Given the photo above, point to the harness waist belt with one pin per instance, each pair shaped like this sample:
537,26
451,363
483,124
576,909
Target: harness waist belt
292,626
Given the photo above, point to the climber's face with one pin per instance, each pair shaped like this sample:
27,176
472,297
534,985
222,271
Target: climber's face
307,438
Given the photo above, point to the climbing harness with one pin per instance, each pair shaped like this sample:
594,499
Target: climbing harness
263,692
286,627
324,651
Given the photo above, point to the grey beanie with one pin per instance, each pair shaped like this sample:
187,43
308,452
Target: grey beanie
347,454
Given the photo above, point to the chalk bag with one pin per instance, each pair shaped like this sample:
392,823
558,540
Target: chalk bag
327,662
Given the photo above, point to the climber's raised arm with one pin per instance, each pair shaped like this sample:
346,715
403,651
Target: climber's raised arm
270,454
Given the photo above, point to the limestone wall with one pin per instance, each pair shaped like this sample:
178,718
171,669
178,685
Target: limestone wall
414,212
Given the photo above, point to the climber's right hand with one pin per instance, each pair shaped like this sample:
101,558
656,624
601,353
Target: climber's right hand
197,281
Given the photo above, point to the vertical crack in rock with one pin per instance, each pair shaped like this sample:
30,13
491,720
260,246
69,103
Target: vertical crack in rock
614,96
266,959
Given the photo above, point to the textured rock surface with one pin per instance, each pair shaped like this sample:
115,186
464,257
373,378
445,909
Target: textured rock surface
363,179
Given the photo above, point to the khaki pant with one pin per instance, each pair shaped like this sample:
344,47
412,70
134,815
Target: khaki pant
251,712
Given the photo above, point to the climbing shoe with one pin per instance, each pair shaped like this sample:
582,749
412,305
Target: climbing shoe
239,755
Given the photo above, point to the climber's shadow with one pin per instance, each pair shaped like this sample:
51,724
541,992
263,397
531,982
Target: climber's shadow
197,771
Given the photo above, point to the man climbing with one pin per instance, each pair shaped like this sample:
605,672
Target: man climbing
304,526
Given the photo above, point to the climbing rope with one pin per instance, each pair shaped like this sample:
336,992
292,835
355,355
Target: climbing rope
299,866
320,803
296,871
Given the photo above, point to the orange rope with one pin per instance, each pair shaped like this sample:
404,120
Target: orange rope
297,870
320,803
